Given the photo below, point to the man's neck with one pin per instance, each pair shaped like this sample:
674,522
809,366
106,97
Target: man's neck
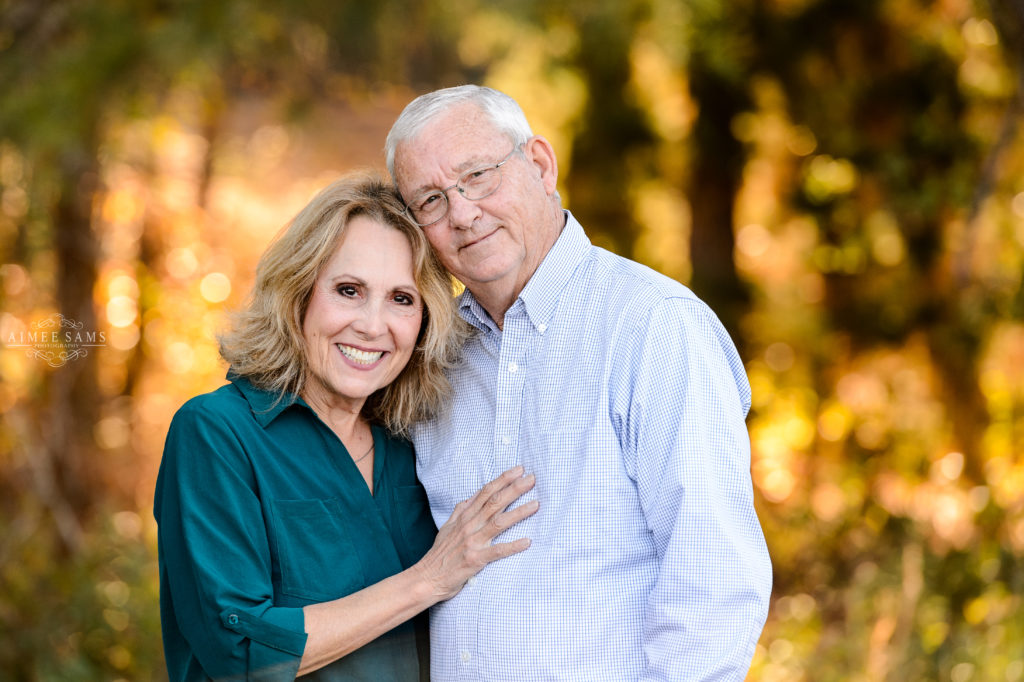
498,296
496,306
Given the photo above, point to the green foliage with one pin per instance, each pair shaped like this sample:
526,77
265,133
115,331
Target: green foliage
91,615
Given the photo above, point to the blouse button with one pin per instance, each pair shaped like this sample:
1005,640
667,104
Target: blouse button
233,619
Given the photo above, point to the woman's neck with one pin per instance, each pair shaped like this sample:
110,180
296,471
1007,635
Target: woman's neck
342,416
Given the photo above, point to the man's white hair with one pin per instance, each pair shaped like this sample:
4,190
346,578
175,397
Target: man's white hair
502,110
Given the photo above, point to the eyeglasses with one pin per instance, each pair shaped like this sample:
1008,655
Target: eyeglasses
479,183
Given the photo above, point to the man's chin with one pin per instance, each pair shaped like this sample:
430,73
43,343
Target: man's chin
490,267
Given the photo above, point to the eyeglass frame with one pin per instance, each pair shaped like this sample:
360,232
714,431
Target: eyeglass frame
444,192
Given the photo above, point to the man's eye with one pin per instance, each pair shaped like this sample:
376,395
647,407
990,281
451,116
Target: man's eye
476,175
429,200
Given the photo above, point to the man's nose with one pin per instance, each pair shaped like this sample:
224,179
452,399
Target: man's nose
462,212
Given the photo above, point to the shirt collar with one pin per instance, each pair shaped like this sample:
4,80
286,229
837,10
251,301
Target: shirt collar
265,405
540,295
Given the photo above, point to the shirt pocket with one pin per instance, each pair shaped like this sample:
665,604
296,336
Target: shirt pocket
316,553
412,514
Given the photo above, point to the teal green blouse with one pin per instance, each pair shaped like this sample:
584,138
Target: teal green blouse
261,511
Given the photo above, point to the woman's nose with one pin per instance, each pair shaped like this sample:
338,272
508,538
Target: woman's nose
371,322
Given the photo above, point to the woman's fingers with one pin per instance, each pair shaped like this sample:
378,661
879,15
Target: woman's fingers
499,493
506,549
484,515
490,492
509,494
499,523
465,543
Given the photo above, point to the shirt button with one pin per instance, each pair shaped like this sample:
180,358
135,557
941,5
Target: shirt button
465,656
512,367
233,619
505,440
542,328
471,581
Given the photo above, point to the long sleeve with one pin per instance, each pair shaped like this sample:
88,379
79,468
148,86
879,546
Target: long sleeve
687,448
216,591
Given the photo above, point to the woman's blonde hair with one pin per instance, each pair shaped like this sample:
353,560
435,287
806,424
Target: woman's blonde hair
265,343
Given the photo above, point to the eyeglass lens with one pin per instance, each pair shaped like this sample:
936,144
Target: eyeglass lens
474,185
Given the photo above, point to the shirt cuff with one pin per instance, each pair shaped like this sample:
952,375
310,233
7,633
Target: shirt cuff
277,639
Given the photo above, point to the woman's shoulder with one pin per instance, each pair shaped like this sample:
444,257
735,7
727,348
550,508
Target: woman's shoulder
224,402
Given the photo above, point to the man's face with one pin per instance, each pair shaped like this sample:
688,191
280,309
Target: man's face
495,244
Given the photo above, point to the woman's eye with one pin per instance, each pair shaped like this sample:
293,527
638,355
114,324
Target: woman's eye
404,299
347,290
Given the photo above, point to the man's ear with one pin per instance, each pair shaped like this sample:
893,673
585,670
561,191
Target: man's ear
541,155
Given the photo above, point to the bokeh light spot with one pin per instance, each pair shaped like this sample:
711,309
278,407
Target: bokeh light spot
834,423
112,432
980,32
779,356
181,263
1017,205
179,357
123,285
801,141
122,311
15,278
215,287
124,338
753,240
950,466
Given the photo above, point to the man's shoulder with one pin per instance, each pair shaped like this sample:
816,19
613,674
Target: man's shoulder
621,279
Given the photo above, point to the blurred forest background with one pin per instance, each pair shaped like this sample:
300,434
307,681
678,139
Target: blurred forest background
843,181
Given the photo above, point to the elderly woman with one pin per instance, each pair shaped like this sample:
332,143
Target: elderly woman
293,534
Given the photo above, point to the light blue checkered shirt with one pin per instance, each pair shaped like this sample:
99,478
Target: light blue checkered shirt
625,396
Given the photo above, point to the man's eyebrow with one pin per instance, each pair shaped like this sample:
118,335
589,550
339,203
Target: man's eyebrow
469,164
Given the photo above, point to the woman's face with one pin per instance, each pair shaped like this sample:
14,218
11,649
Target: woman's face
363,318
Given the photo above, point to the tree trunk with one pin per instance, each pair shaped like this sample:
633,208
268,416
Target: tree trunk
717,175
73,394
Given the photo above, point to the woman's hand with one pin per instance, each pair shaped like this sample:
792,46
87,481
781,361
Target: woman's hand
463,545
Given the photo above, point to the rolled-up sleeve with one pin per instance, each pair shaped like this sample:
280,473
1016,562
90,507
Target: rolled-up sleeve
688,450
215,566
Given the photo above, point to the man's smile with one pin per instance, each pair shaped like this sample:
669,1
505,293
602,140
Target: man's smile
480,239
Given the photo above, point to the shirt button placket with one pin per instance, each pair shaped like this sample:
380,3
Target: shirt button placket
511,379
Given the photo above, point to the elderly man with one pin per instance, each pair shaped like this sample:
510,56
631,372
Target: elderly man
617,387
